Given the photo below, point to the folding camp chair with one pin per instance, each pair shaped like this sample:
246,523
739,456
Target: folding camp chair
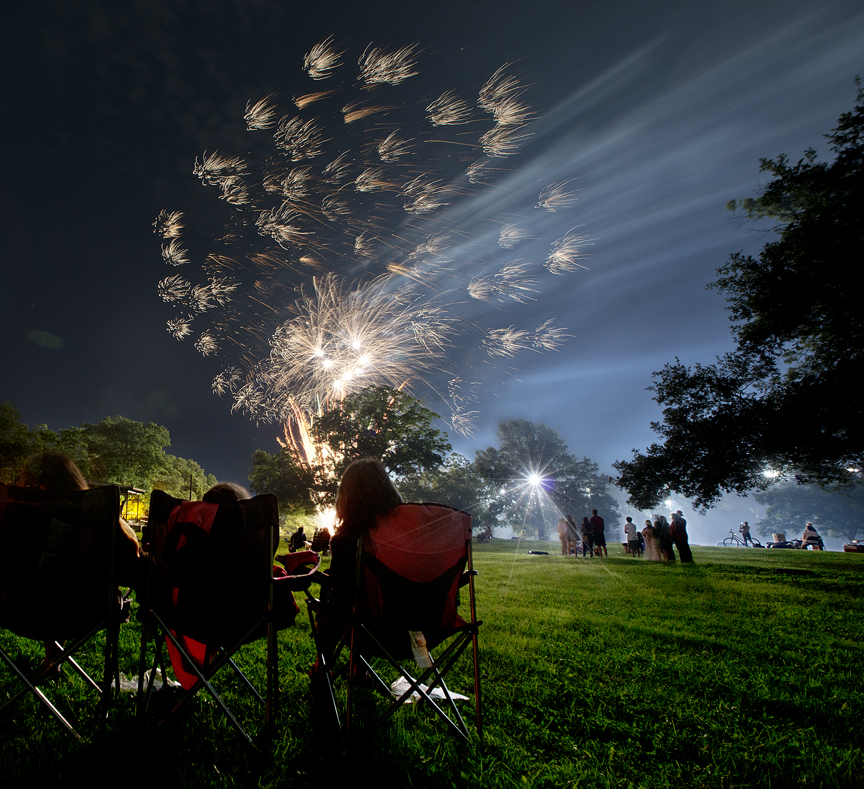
410,569
211,590
57,583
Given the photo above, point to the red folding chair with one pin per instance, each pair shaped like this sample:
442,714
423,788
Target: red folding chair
410,570
211,590
57,583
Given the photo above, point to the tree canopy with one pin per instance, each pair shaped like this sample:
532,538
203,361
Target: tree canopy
455,484
117,450
536,479
788,399
380,422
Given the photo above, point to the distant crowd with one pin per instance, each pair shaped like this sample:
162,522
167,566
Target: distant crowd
656,542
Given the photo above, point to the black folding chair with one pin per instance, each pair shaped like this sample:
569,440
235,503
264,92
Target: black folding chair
410,570
211,590
57,584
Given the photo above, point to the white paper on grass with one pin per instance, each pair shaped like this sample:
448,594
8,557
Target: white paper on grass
401,685
131,685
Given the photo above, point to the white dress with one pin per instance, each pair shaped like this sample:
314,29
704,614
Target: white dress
652,552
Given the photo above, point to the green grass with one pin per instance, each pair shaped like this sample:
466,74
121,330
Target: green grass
744,669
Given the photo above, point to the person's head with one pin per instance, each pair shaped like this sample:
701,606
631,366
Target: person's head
365,492
593,512
52,471
629,519
678,512
584,519
810,525
225,493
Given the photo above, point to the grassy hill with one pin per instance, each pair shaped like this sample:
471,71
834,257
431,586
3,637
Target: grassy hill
743,669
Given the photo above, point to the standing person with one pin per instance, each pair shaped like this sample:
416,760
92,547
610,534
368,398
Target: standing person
652,552
599,533
587,537
664,538
632,537
678,529
298,540
564,536
744,528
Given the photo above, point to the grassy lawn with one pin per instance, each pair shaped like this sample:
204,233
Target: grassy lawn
743,669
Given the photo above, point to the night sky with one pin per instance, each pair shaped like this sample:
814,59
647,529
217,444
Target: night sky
660,111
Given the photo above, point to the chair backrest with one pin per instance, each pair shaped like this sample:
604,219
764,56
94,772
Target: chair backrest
56,549
211,563
412,563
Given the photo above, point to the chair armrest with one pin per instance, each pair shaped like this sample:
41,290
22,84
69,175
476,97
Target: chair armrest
466,577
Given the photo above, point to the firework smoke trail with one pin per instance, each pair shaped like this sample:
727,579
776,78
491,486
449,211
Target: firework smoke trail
369,236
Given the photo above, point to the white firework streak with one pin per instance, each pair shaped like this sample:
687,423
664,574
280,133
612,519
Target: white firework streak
372,236
206,344
279,224
234,190
296,185
556,196
449,110
213,169
169,224
174,288
378,67
566,252
227,381
425,195
174,254
503,141
179,327
300,139
548,337
513,281
261,115
507,342
512,235
499,88
340,341
322,59
393,148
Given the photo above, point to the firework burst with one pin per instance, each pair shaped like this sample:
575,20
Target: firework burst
355,247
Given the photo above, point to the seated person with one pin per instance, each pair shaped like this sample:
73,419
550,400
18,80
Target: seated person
365,492
56,473
811,538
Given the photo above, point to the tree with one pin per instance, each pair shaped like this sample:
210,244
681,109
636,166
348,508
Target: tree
788,398
178,475
15,442
118,450
456,484
536,479
376,422
836,512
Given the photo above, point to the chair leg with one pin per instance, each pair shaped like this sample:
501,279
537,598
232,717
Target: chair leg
38,694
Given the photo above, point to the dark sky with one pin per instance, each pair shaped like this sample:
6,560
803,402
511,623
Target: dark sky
660,110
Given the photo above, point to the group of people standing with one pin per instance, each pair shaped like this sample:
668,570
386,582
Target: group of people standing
592,531
662,537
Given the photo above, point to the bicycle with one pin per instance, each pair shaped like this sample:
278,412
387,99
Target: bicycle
734,541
